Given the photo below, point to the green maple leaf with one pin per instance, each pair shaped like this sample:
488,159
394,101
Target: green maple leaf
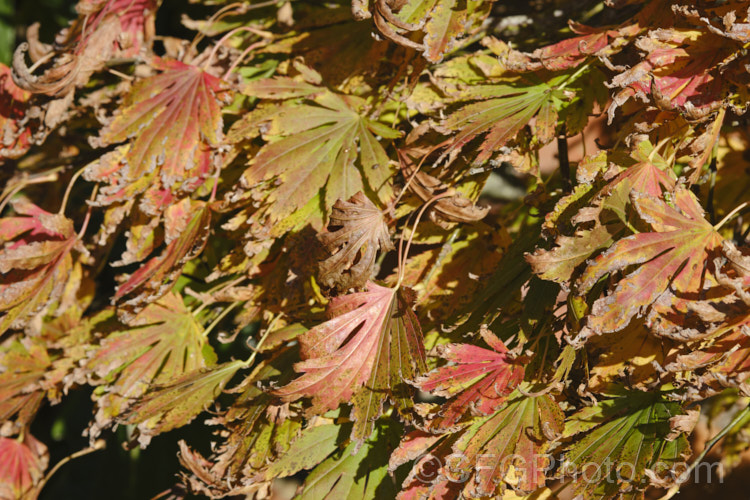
340,471
166,407
320,143
623,436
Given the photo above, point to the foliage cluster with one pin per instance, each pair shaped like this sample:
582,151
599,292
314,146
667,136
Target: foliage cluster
273,224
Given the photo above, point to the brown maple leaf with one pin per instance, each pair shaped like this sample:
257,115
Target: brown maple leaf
359,231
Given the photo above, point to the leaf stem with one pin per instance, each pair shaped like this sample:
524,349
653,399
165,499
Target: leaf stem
731,214
262,339
572,78
86,219
69,189
100,444
402,260
416,171
242,56
221,316
229,35
223,12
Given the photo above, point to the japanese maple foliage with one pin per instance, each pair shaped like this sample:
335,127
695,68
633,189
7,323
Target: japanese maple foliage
359,241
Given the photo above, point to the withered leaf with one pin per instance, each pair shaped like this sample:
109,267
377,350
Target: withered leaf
357,230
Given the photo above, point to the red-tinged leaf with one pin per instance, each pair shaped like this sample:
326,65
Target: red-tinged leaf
166,407
111,169
673,257
186,231
35,260
323,143
175,119
357,230
571,52
678,72
373,340
104,31
164,342
134,17
517,436
22,389
444,28
478,381
22,464
650,176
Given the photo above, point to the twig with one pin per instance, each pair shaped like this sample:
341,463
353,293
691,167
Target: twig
100,444
736,420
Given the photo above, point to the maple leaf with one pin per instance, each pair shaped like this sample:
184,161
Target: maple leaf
22,371
623,437
260,430
373,340
445,23
650,175
165,407
259,434
175,117
360,231
503,108
673,257
319,143
186,233
483,459
35,260
571,52
164,342
679,72
340,472
22,464
478,381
